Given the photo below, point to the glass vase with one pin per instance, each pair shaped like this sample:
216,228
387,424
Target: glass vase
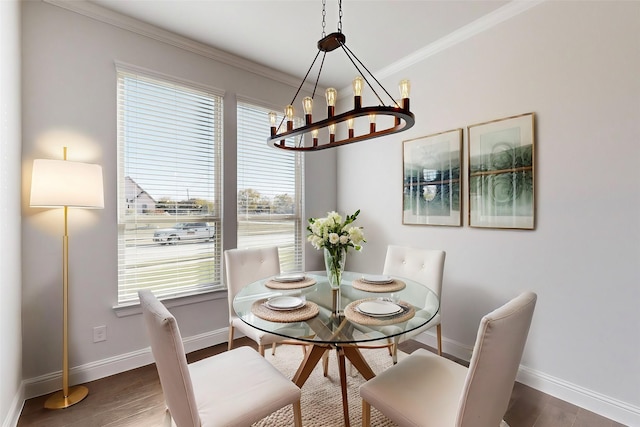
334,260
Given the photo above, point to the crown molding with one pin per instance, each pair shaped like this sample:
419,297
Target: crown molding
124,22
478,26
99,13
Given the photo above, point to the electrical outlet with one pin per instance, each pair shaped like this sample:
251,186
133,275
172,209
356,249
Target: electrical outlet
99,333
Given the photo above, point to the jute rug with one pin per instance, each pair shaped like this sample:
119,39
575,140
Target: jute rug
321,396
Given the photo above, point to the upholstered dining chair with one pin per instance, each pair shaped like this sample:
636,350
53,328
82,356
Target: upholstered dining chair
431,391
234,388
244,266
425,266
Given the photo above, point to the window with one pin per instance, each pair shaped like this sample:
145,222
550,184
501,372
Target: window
269,190
169,187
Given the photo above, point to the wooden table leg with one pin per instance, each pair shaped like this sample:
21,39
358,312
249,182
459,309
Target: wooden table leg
313,356
309,362
343,385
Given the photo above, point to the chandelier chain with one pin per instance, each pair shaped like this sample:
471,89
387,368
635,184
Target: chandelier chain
324,15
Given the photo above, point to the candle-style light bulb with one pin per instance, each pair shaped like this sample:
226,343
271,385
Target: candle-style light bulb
273,117
331,94
314,135
332,132
405,87
372,123
350,126
307,106
288,112
357,86
357,92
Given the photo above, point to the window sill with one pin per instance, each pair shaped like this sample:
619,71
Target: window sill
133,309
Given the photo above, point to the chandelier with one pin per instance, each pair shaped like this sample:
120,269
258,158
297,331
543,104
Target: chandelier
307,137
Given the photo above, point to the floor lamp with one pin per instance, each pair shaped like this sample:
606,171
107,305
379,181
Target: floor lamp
65,184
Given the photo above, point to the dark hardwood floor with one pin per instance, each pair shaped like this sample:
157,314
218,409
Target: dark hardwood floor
134,399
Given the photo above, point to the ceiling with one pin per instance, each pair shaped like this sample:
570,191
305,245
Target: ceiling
283,34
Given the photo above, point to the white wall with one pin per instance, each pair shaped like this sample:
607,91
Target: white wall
575,64
10,220
69,98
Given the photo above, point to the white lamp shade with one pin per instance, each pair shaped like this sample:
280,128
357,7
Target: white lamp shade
58,183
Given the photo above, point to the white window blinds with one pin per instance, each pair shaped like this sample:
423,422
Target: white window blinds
269,190
169,187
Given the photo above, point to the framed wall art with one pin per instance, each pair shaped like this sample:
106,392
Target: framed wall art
431,179
501,173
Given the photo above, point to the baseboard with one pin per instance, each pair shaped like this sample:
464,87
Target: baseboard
11,420
606,406
51,382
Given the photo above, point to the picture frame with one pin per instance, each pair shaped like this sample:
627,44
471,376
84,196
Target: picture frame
432,182
501,173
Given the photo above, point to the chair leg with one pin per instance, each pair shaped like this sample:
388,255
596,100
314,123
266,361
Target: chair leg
230,344
366,414
297,414
261,349
394,350
439,333
325,363
273,349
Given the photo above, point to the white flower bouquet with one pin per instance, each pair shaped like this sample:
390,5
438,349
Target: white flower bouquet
335,236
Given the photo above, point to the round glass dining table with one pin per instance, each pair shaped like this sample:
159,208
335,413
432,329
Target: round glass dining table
336,321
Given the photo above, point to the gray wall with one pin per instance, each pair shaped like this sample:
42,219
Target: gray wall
10,220
575,64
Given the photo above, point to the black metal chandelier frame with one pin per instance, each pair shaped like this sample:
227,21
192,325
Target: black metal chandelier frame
403,117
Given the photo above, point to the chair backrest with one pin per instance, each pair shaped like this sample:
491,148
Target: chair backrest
494,363
244,266
171,362
425,266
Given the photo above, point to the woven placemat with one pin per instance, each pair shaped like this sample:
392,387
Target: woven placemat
309,310
355,316
307,281
394,286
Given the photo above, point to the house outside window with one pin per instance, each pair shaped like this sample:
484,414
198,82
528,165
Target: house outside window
169,186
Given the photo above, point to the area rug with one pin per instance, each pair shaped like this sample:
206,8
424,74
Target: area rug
321,396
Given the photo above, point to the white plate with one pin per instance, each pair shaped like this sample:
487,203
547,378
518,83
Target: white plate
289,278
379,308
377,279
285,303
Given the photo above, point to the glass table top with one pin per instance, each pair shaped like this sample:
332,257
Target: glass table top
330,325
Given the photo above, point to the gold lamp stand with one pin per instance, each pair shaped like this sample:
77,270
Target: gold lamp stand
55,184
68,395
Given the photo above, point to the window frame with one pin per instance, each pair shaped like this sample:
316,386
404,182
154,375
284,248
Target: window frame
196,292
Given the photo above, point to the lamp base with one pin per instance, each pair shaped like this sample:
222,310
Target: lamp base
59,401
